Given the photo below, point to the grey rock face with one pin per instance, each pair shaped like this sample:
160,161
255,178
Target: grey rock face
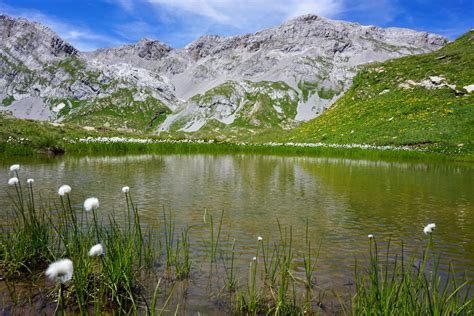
33,43
35,61
308,51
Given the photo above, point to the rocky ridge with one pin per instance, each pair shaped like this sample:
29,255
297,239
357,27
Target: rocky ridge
304,65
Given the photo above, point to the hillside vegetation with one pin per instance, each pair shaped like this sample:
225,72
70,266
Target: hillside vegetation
421,101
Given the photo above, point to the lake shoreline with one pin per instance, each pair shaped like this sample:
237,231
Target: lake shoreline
165,146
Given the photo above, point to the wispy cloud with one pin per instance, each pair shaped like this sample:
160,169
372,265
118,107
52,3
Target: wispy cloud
81,37
135,30
126,4
245,14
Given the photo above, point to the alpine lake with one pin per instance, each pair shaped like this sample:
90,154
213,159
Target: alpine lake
334,202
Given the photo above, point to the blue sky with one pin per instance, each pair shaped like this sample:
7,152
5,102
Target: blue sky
91,24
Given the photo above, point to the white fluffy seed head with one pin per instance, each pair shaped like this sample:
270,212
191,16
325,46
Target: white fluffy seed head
64,189
30,181
429,228
259,238
15,167
91,203
60,271
370,236
125,189
254,258
13,181
96,250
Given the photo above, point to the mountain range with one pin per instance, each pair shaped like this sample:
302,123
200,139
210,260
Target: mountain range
273,79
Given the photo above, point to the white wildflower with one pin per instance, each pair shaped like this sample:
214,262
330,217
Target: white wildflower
91,203
259,238
30,181
60,271
254,258
370,236
15,167
125,189
13,181
96,250
429,228
64,189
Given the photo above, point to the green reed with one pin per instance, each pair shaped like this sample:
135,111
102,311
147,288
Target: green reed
309,260
394,287
169,227
182,258
40,235
231,279
214,236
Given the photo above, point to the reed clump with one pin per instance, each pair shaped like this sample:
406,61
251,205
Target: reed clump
391,284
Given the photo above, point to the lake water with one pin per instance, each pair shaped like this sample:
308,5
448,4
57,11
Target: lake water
343,201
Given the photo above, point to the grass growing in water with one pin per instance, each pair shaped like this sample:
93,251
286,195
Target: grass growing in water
39,236
109,265
393,286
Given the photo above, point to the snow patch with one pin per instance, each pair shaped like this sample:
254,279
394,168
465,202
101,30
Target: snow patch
278,108
59,107
469,88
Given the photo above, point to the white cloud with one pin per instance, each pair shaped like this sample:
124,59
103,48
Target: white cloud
135,30
327,8
244,14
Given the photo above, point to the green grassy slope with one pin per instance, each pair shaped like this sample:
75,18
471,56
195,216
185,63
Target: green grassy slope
27,137
383,108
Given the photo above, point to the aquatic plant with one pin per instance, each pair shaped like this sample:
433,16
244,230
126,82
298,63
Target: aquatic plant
13,181
14,167
60,271
64,189
429,228
399,288
96,251
309,260
91,204
213,238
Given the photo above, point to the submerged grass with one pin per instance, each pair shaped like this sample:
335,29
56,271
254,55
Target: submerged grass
111,260
393,286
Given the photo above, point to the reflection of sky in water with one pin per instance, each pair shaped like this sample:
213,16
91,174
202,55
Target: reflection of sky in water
343,199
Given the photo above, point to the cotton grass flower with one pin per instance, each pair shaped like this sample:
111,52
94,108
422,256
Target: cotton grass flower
91,204
15,167
13,181
64,189
429,228
30,181
125,189
370,236
259,238
254,258
60,271
96,250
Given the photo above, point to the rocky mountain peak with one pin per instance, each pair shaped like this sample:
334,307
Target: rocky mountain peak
307,18
24,40
203,46
151,49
